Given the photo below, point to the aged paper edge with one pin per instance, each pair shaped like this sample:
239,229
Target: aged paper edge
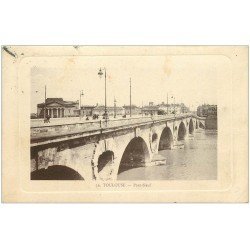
12,190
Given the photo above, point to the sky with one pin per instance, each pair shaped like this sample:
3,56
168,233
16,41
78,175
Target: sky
191,79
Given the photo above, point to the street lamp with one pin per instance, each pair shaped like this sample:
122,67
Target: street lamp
167,103
81,94
114,107
45,109
130,97
174,104
100,73
80,102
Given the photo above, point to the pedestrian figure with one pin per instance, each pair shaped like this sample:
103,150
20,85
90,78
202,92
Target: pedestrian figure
47,119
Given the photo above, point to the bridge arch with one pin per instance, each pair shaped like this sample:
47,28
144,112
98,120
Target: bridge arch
166,139
201,125
153,141
105,160
191,126
136,154
181,132
56,172
154,137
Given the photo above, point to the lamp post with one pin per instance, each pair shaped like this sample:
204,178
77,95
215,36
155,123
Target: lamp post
100,73
174,107
114,107
174,104
130,97
167,103
45,104
80,102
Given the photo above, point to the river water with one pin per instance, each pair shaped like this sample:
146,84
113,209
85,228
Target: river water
196,161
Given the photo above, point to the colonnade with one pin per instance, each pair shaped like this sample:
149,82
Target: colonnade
55,112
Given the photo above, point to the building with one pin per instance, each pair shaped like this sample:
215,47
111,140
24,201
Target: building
210,112
151,109
57,107
202,110
173,108
184,108
134,110
86,110
207,110
100,110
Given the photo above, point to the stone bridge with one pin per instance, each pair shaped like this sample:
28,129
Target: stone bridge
100,150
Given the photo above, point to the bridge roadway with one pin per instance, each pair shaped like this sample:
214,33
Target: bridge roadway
101,149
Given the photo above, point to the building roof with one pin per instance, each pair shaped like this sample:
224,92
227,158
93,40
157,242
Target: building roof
88,106
59,101
108,108
54,99
132,106
206,106
171,105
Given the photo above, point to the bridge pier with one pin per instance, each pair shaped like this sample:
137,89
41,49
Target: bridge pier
178,145
110,169
108,173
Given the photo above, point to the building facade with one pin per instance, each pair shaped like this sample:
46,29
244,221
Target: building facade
151,109
134,110
212,110
86,110
173,108
100,110
207,110
57,107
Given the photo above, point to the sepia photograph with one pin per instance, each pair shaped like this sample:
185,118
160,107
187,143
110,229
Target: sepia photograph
125,118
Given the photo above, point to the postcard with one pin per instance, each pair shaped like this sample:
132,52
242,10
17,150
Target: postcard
125,123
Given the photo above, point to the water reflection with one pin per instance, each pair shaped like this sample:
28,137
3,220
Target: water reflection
196,161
